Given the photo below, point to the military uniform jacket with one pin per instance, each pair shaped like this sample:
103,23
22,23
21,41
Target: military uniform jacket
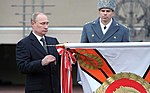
92,33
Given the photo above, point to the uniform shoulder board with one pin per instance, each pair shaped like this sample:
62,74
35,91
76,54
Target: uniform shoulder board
87,22
123,25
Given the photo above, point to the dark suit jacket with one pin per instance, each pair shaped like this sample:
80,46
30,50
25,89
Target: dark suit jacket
92,33
39,79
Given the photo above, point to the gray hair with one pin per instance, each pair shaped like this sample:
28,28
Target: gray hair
34,15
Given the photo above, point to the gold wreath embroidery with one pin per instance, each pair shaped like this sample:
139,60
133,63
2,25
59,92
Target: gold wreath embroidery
126,90
121,75
87,60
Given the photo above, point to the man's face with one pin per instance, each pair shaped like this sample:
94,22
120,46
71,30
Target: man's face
40,25
106,15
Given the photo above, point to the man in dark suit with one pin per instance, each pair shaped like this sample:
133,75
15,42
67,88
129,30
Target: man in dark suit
105,28
42,67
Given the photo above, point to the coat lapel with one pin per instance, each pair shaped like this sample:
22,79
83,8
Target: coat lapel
36,43
97,29
111,31
50,41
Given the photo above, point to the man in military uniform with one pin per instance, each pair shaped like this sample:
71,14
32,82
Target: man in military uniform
105,28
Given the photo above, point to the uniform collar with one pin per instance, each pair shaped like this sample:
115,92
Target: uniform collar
102,25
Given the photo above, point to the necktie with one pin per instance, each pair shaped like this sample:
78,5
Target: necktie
104,27
44,44
104,30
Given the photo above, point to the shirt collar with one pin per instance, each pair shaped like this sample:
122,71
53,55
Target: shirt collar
38,37
108,25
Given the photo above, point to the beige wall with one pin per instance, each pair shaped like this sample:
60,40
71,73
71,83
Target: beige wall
64,13
12,37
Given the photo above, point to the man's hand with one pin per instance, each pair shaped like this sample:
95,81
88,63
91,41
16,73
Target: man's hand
47,59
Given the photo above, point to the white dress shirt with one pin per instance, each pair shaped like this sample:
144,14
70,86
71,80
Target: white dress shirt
105,26
39,38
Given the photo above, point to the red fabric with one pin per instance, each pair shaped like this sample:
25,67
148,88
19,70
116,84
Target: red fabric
148,76
90,61
67,59
125,82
